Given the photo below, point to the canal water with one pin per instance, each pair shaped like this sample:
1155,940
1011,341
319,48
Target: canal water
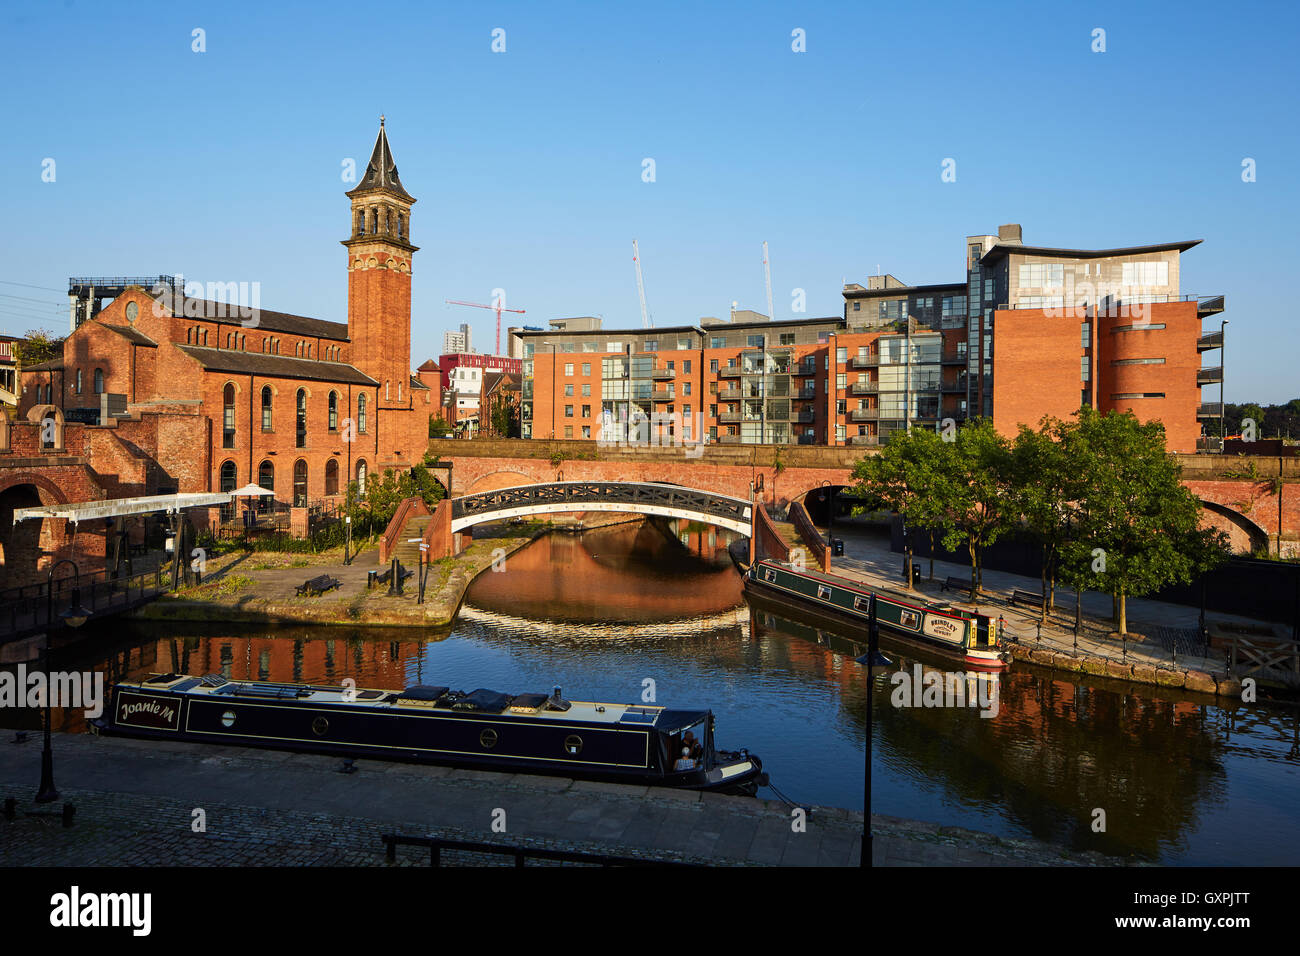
645,610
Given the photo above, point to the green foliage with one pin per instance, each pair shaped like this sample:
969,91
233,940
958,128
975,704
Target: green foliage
37,346
438,427
1099,494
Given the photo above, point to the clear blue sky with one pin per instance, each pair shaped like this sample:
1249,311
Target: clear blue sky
225,165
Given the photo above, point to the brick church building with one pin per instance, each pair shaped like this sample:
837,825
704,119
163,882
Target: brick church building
164,393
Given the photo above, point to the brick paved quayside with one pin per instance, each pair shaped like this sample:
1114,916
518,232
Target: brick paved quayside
135,801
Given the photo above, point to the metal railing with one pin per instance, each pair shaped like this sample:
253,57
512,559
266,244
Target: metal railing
520,854
581,493
28,608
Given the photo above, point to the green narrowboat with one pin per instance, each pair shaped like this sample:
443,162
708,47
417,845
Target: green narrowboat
967,636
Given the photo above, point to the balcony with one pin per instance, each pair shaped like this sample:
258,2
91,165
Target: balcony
863,414
1211,340
731,371
663,374
1209,305
863,440
806,416
731,395
805,393
1210,376
958,386
1209,410
807,439
804,369
864,361
864,388
660,395
729,416
953,358
1210,444
729,439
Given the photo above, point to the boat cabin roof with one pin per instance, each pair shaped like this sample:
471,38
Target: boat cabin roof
422,697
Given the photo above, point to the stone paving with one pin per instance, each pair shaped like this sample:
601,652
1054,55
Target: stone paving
135,803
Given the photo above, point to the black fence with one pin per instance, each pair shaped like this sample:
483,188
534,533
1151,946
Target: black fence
33,608
443,852
1263,590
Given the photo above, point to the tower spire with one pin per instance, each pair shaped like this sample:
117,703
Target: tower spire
381,171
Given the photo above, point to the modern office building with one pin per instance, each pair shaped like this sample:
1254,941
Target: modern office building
459,341
1030,331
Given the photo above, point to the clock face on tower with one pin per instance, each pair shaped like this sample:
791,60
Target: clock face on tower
132,310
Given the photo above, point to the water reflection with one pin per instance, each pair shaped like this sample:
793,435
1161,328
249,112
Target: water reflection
603,612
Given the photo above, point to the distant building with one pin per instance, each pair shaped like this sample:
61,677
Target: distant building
1030,331
457,341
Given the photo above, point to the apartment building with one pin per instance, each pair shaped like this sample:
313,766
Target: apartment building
1030,331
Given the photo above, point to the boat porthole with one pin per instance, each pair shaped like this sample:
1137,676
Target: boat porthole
488,738
228,719
319,726
573,744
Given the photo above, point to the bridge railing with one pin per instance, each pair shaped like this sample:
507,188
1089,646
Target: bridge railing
581,493
33,608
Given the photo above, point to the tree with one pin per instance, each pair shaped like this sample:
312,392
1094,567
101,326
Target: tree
37,346
438,427
1044,485
973,493
1138,527
505,417
901,478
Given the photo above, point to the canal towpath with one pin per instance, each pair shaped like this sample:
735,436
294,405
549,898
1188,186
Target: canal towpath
136,804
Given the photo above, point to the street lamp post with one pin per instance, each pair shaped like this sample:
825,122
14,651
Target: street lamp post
829,494
74,616
876,663
1223,367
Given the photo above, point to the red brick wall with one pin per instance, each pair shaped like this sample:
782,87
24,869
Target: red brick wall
1175,379
1036,368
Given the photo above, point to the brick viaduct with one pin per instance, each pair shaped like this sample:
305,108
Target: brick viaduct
1237,494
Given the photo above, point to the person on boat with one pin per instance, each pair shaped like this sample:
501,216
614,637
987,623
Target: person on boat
684,762
693,745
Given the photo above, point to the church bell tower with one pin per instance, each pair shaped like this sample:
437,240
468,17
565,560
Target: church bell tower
379,276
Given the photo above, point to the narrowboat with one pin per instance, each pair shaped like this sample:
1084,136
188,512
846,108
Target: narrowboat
967,636
484,729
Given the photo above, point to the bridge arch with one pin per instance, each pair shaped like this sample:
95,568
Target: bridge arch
650,498
1244,535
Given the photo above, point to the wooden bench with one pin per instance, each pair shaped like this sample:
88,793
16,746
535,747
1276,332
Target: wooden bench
956,584
1032,598
318,585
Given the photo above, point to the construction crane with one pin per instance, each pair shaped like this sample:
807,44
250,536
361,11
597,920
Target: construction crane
640,287
498,309
767,275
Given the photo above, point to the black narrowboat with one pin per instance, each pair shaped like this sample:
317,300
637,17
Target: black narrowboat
967,636
485,730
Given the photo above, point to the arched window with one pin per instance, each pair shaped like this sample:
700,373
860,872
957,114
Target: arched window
332,477
334,411
361,476
228,417
302,418
78,388
99,381
203,333
361,414
388,393
229,478
265,478
361,222
401,226
266,410
300,484
189,336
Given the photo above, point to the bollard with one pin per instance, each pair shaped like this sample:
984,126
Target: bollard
10,808
69,811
